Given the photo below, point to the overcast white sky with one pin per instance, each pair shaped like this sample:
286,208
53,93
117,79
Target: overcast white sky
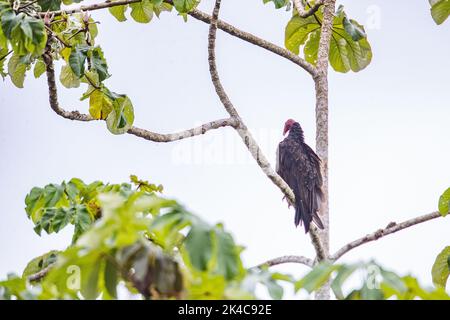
389,133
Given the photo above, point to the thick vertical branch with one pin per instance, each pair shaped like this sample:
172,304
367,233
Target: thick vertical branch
321,82
245,134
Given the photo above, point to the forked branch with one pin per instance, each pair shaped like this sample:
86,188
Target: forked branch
243,131
142,133
305,13
288,259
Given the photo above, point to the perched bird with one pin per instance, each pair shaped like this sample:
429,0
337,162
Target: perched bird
299,166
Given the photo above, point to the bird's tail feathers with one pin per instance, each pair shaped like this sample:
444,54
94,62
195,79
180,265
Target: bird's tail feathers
317,221
302,216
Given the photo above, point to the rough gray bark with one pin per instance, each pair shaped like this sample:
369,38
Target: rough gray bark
302,12
321,84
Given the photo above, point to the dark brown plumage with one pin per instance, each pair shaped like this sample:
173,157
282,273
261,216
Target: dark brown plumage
299,166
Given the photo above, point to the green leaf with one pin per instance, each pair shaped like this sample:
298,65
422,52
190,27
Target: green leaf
275,290
441,268
121,118
39,263
61,219
344,272
77,60
353,29
9,21
393,280
16,71
316,278
68,78
349,48
82,221
142,12
89,281
278,3
444,203
27,35
199,246
160,6
185,6
50,5
119,12
440,10
111,278
298,31
3,56
99,63
100,105
145,185
39,68
227,256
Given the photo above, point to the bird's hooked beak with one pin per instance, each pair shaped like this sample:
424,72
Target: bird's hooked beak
285,130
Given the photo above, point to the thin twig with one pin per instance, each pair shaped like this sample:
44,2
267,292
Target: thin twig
390,229
302,12
7,54
287,259
27,5
40,274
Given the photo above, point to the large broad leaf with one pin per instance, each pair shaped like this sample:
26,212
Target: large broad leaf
111,278
184,6
121,118
142,12
82,221
441,268
278,3
343,273
26,34
89,280
16,71
317,277
440,10
227,260
77,60
349,48
39,263
444,203
99,63
198,244
68,78
119,12
100,105
39,68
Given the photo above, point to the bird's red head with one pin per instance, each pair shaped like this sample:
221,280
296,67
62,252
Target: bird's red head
287,125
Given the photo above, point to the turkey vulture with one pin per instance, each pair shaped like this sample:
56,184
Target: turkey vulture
299,166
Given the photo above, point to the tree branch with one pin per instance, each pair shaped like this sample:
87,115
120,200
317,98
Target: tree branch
199,15
391,228
321,87
142,133
169,137
243,131
302,12
287,259
40,274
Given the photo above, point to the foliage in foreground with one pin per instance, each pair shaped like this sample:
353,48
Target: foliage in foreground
127,238
129,241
